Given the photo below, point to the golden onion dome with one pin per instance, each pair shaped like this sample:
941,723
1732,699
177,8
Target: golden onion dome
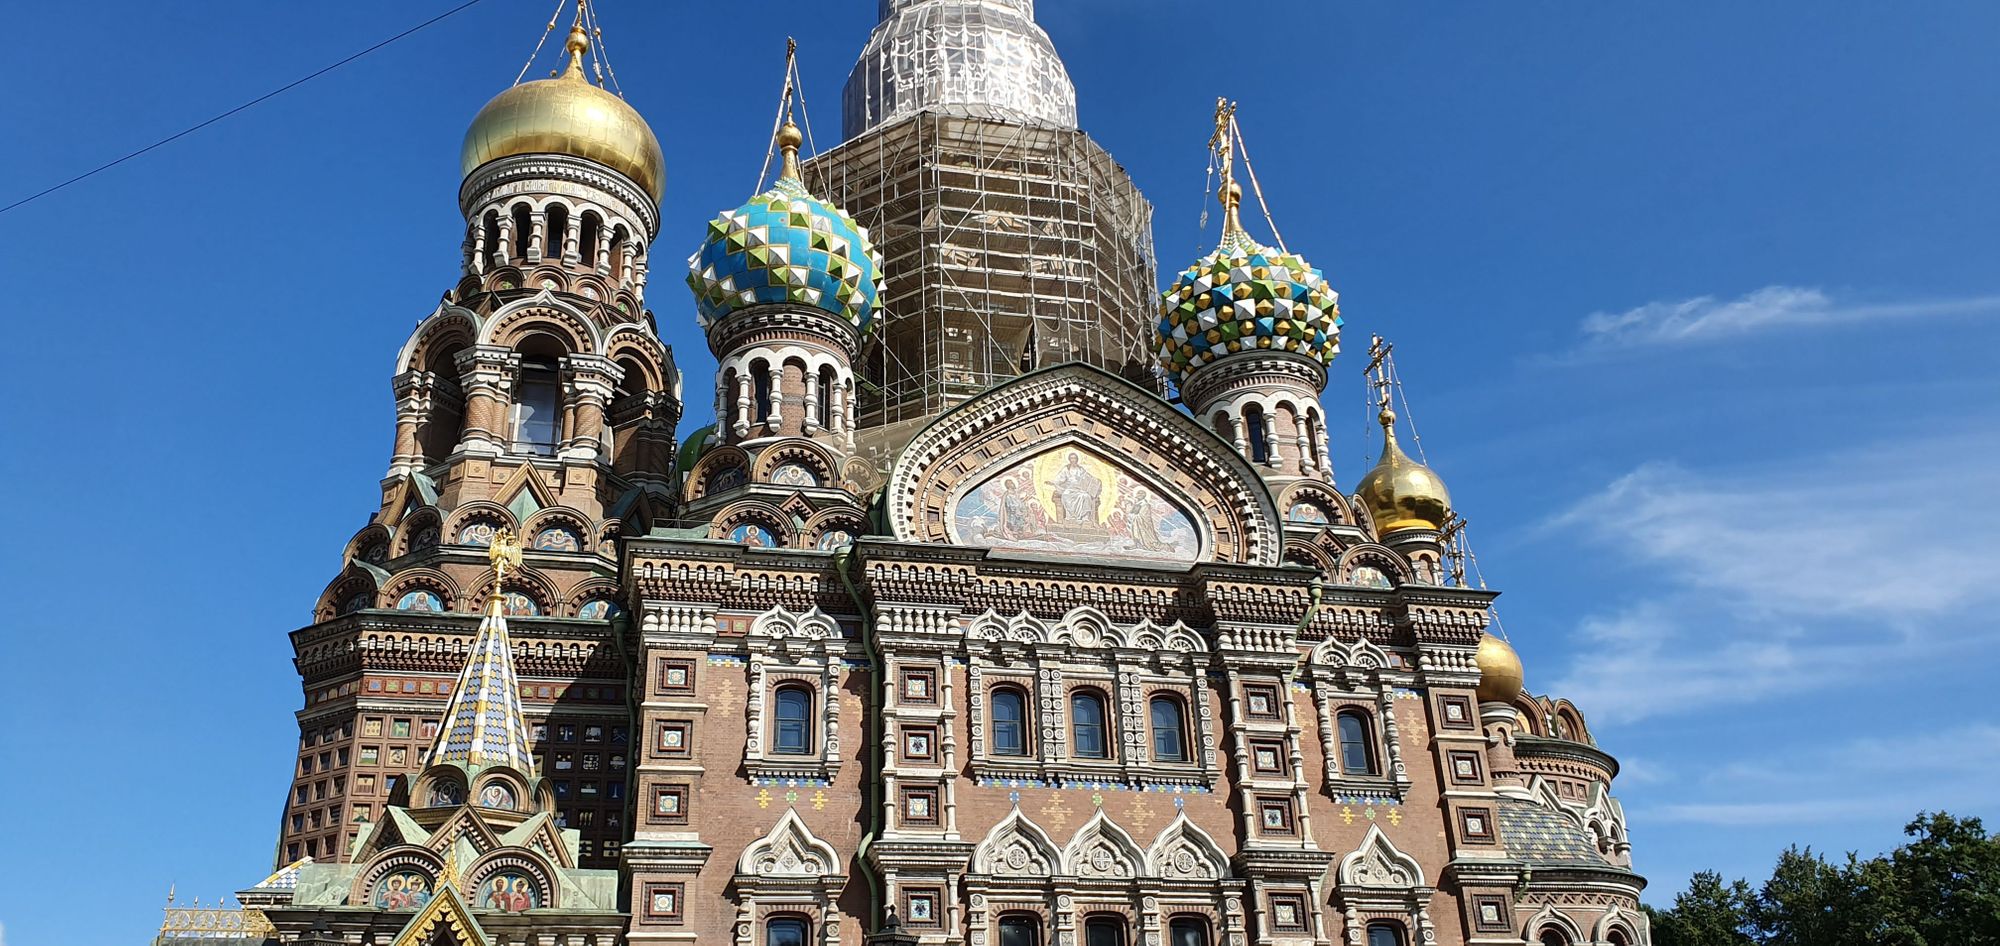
1500,674
568,115
1401,493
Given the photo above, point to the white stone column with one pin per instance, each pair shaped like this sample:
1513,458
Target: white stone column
812,400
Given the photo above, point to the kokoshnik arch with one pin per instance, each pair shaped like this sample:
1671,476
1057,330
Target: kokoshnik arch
951,630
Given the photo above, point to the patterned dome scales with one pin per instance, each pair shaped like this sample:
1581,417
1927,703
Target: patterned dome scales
1246,296
785,245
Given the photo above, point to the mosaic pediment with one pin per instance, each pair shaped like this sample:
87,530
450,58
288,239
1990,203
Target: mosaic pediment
1071,500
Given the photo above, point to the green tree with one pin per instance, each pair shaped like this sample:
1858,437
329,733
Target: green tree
1708,913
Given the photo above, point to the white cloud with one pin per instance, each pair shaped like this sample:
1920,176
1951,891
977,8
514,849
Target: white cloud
1706,318
1868,779
1774,581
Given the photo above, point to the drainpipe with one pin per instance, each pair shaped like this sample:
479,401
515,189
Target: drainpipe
872,767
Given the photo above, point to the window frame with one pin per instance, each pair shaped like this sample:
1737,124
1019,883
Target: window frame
1117,923
1397,935
1199,924
790,920
1090,696
1022,725
1173,701
1363,741
1032,921
780,725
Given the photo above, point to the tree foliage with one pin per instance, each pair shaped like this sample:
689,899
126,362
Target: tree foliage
1942,888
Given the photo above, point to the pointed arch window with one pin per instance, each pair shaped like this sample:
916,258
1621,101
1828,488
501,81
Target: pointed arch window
1086,723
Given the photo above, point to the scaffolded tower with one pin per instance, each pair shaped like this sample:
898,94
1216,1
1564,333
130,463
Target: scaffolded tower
1011,240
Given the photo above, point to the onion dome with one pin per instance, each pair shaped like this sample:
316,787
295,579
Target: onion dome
1500,675
1399,492
568,115
1246,297
786,245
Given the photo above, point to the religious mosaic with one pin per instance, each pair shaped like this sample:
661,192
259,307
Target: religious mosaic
420,601
1071,501
509,892
403,890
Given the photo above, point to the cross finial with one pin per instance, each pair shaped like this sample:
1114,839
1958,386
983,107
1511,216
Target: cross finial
1222,141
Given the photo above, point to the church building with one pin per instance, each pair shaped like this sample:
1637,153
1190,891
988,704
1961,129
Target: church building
1008,601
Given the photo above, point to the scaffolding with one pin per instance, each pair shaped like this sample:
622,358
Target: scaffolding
1007,247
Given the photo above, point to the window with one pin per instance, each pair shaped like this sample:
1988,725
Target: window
1549,937
1617,938
785,931
524,229
826,383
490,245
1357,750
1018,929
1010,716
1187,931
1169,733
1385,934
586,249
760,384
537,398
1086,715
1253,423
1104,931
793,716
558,217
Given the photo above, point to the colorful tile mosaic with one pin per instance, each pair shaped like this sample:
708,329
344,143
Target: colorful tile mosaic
1245,297
787,246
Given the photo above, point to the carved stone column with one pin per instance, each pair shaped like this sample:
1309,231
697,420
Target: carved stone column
588,383
487,373
413,408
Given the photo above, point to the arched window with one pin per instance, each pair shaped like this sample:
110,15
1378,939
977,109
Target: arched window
1385,934
760,386
785,931
1312,439
1187,931
1010,722
792,718
558,231
1086,724
489,245
537,401
826,383
1618,938
1553,937
1020,929
1169,729
586,241
618,254
1253,423
1104,929
524,231
1357,747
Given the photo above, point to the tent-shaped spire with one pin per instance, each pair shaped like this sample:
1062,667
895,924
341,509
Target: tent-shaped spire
483,724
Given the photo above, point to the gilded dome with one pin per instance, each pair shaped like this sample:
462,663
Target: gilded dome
1246,297
1401,493
786,245
1500,675
567,115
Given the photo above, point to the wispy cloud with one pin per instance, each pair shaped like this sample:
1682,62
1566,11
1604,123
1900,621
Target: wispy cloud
1867,778
1708,318
1766,582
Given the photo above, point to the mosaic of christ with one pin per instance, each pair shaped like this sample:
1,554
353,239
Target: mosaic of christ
1072,502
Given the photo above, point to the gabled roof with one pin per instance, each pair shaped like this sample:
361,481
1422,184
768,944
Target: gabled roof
443,920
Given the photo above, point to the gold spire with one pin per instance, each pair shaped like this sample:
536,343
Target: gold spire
789,139
1230,193
1400,493
578,44
789,136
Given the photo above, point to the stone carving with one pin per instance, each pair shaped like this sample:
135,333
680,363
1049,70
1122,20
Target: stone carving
790,850
1377,863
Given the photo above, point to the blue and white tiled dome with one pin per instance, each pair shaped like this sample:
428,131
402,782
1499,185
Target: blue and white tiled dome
1246,297
786,245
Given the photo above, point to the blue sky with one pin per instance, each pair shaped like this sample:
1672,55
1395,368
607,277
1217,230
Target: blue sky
1695,303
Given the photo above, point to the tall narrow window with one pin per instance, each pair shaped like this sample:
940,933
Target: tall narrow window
1010,715
537,398
1104,931
760,385
1554,937
1086,721
1385,934
1169,730
826,384
785,931
618,254
1187,931
558,231
1357,749
586,241
489,244
1311,459
524,231
1020,930
793,716
1253,423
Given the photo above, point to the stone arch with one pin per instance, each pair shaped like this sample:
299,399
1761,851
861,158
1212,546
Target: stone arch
374,544
1361,653
490,513
1183,851
780,624
590,589
753,512
355,588
817,459
449,329
1017,846
1087,627
544,314
1379,557
422,579
789,849
820,529
1378,863
421,530
1618,919
711,473
397,859
1103,851
1327,498
1551,918
528,863
561,517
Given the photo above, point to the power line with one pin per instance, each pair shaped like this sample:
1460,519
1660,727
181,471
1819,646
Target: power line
468,4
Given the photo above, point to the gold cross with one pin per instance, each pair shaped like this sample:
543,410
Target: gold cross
1140,814
1057,813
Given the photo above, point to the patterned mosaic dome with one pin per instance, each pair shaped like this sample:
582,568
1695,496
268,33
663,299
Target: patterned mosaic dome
786,245
1244,297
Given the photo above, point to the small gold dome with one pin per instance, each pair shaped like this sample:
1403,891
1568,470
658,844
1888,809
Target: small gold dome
1401,493
1500,675
567,115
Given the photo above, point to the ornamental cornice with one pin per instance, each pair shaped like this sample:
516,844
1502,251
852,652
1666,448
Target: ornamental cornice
1260,369
528,168
1542,747
779,322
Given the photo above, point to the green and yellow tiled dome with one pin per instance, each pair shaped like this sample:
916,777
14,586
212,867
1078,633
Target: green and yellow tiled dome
786,245
1246,297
